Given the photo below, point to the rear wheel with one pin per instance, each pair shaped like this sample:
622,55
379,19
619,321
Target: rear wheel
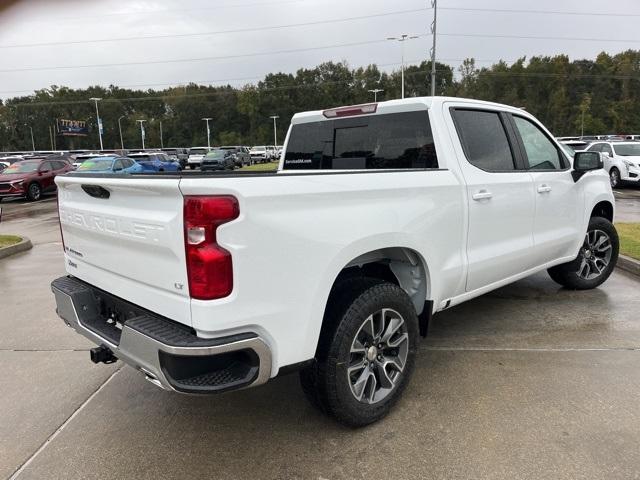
366,352
596,260
614,177
34,192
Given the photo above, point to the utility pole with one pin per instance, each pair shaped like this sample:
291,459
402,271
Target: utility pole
275,132
33,143
142,134
375,92
161,140
98,119
434,4
51,138
120,130
403,38
208,131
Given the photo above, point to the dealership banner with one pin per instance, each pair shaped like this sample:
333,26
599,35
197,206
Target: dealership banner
72,128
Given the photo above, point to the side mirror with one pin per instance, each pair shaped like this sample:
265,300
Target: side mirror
606,155
584,162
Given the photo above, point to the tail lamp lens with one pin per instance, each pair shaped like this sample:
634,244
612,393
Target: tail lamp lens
209,266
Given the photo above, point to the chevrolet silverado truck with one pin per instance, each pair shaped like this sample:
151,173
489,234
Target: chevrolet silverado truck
379,216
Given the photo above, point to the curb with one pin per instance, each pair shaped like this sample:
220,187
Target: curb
22,246
629,264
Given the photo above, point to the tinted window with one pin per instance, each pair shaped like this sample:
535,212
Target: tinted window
542,154
46,167
484,140
396,140
595,148
606,148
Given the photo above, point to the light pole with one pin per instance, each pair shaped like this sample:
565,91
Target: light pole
33,143
434,4
161,140
120,130
142,131
95,99
403,38
375,92
275,131
208,131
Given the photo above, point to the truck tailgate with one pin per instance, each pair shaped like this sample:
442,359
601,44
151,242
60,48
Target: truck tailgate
124,236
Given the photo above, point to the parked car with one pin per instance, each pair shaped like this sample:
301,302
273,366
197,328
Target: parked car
110,165
218,160
621,161
10,159
423,206
80,159
240,155
181,155
156,162
31,178
259,154
195,156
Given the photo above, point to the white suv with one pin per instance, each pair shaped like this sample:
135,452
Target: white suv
621,160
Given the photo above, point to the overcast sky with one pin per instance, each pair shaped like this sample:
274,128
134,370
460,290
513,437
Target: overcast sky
72,33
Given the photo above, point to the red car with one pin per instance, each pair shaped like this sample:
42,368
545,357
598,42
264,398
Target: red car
31,178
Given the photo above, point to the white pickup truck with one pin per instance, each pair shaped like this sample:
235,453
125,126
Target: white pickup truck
379,216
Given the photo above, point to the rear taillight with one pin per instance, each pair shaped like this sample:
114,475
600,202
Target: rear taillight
209,266
351,111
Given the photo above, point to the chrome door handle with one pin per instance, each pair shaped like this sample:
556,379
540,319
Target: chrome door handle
544,188
482,195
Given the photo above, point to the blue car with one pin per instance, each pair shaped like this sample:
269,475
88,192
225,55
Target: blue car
156,162
110,165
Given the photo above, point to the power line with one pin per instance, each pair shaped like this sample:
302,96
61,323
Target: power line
531,37
542,12
201,59
216,32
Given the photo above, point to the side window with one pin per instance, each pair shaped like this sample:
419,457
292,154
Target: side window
484,140
596,147
118,165
127,163
45,167
541,152
606,148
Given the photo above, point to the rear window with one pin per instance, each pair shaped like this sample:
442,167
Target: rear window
388,141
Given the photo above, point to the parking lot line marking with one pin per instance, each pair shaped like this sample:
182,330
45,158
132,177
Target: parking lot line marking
542,349
61,427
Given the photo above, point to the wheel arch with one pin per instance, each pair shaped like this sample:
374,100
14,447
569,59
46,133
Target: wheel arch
603,209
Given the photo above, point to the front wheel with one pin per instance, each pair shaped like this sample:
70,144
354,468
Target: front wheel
34,192
366,352
614,177
596,260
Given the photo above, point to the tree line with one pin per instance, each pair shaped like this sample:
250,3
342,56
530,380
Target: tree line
570,97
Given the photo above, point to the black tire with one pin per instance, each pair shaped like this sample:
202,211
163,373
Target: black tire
34,192
326,381
614,177
571,274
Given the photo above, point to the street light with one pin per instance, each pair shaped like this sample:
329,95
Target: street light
403,38
161,140
275,131
33,143
208,131
375,92
120,130
95,99
142,131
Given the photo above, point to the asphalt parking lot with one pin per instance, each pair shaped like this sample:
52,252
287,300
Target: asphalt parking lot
529,381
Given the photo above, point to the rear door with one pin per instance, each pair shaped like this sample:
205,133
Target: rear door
500,198
125,235
558,198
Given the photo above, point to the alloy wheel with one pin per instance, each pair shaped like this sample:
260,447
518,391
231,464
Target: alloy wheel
614,178
378,356
595,254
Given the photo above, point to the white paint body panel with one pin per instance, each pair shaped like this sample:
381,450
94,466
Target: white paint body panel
296,232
